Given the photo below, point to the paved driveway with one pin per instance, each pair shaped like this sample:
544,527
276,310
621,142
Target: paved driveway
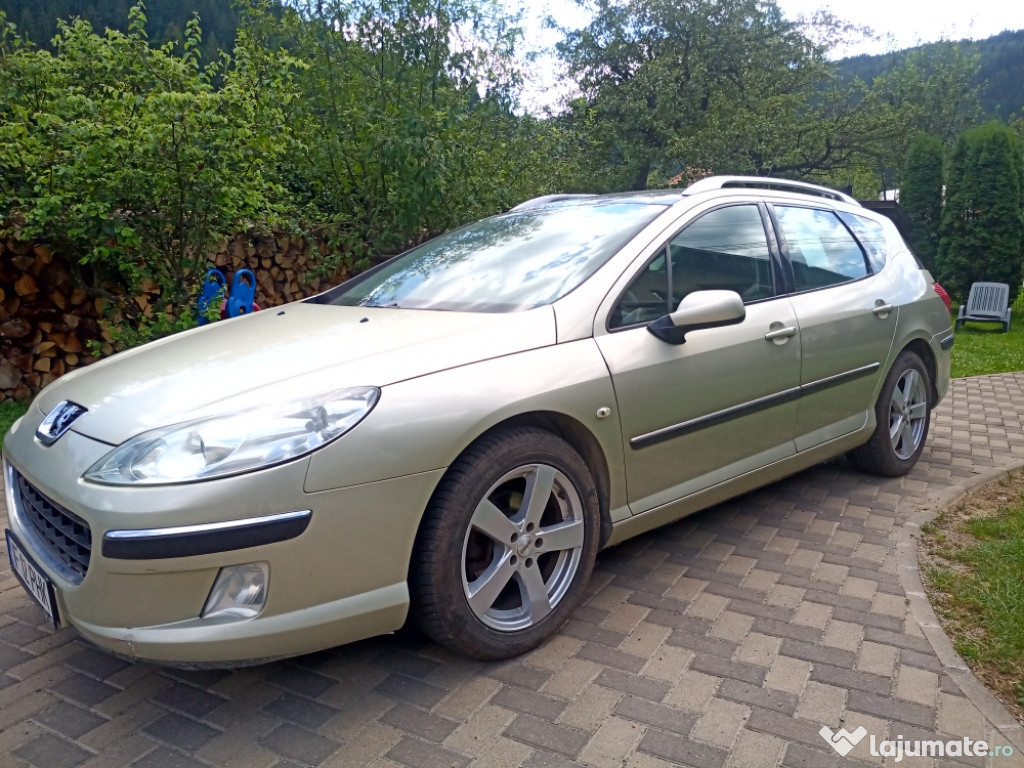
728,639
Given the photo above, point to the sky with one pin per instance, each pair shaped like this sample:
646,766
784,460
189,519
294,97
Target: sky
897,24
906,23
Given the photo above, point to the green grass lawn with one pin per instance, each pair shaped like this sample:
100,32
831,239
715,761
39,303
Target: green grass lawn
10,410
973,555
982,348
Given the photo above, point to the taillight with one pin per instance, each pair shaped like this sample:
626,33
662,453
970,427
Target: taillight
943,295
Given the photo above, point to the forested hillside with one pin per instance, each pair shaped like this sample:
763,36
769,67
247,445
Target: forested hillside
1000,70
37,19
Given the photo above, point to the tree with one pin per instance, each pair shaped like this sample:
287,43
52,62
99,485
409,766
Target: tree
672,86
982,231
128,161
935,89
406,117
921,195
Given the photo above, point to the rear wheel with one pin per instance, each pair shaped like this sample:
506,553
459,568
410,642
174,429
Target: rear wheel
507,545
903,415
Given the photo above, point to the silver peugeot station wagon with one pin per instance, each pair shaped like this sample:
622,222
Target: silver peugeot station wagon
453,435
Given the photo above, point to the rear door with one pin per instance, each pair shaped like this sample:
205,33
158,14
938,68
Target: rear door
723,402
847,318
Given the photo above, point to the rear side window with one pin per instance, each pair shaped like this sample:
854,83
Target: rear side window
871,235
821,250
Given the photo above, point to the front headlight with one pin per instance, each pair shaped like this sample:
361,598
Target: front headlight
236,443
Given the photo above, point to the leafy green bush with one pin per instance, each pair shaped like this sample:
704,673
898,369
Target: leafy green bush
132,161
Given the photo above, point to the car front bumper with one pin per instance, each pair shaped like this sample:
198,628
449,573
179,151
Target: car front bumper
341,578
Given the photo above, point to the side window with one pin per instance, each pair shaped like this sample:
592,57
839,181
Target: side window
725,249
871,235
821,250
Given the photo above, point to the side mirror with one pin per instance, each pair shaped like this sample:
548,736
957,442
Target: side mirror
697,311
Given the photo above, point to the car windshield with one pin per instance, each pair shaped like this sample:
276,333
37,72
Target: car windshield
506,263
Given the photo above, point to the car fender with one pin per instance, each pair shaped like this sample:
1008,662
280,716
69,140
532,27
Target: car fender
423,424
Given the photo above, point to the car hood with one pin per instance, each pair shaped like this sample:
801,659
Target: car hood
296,350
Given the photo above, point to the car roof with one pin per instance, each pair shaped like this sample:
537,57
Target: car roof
710,186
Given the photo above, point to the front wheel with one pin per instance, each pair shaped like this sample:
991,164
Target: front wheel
903,415
507,546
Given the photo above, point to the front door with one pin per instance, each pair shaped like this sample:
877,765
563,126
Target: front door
722,403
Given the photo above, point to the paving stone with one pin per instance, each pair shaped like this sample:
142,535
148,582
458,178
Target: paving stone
681,750
758,649
891,709
613,742
799,756
721,722
520,700
419,754
692,691
49,751
823,704
96,663
788,674
785,727
700,643
162,757
667,663
767,698
591,708
180,732
877,659
519,674
191,701
539,733
918,685
297,743
411,690
719,667
300,710
84,690
656,715
755,750
654,690
304,682
879,685
610,657
783,628
69,720
585,631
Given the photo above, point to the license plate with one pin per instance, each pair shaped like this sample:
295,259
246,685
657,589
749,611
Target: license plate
32,578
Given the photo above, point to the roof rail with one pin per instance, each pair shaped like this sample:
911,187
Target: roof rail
537,202
766,182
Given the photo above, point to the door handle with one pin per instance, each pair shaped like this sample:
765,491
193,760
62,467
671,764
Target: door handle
780,333
882,309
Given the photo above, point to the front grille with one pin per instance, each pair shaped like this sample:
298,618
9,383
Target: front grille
64,533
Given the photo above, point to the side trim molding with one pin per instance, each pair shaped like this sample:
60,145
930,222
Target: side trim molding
205,539
745,409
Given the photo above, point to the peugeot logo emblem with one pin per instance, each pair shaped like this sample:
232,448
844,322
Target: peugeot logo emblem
58,421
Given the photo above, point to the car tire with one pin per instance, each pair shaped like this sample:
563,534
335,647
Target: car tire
903,416
507,546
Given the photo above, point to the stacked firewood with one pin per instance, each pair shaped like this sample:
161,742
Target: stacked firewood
47,321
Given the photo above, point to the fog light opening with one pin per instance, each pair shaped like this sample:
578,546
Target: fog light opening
240,592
